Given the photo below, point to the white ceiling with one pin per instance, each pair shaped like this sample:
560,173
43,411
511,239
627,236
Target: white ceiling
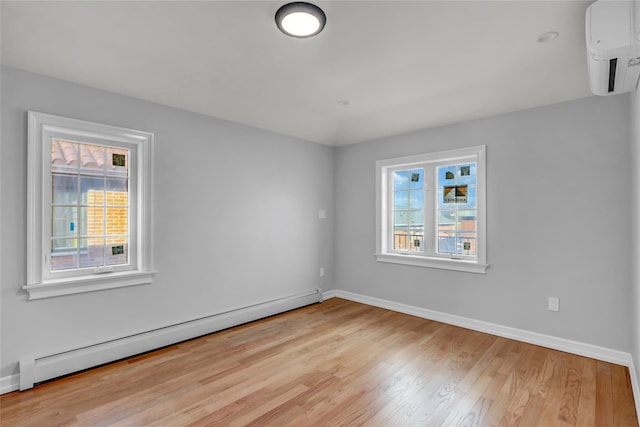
402,65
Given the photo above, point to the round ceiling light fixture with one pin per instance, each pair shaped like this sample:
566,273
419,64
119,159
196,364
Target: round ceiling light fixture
300,19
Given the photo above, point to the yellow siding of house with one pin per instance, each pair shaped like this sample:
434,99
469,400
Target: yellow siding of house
117,218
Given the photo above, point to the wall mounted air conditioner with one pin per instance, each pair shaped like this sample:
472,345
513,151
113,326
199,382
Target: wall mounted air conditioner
613,46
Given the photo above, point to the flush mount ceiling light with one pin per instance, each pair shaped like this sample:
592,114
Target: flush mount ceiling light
300,19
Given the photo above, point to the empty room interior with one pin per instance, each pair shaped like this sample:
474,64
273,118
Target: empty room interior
338,213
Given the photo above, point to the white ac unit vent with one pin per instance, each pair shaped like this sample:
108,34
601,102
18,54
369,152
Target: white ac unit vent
613,46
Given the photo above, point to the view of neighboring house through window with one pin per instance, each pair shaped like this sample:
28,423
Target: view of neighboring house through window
90,205
457,209
408,210
431,210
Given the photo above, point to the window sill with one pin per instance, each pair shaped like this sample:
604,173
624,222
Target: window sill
442,263
97,282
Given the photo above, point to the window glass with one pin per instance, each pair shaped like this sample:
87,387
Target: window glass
408,223
100,217
457,209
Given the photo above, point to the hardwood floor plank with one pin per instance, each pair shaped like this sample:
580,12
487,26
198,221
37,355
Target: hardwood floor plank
586,415
538,400
473,403
571,397
553,396
604,395
624,412
336,363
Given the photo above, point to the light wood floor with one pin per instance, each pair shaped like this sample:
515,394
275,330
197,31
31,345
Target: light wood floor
337,363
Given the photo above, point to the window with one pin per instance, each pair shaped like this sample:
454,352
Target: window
431,210
89,201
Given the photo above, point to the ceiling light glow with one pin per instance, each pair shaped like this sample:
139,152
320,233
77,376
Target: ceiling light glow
300,24
300,19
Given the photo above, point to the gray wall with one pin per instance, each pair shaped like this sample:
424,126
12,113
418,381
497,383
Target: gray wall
236,219
558,222
635,320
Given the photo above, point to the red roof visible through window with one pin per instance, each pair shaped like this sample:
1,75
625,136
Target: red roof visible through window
66,153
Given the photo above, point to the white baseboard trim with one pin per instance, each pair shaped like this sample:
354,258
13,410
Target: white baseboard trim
9,383
42,367
574,347
330,294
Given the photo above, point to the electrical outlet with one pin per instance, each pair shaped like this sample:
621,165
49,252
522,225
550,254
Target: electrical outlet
321,271
322,214
553,304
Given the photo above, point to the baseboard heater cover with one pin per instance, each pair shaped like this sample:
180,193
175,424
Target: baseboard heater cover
42,368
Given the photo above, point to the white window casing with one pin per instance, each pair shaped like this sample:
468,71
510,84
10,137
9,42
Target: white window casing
42,281
428,256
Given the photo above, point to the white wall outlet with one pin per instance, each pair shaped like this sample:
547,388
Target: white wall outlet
322,214
553,304
321,271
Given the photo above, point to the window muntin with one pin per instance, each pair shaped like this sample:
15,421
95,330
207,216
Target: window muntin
431,210
89,206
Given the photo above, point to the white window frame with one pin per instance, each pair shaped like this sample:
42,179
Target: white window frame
41,282
429,257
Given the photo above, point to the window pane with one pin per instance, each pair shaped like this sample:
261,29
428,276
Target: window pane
467,220
64,156
457,243
400,219
117,184
64,222
92,189
446,218
441,201
417,241
466,174
91,158
401,240
467,243
64,189
416,219
401,199
446,176
400,180
468,193
117,192
412,200
91,221
400,230
91,252
446,242
117,161
471,199
64,254
416,179
457,224
117,221
416,199
398,242
117,251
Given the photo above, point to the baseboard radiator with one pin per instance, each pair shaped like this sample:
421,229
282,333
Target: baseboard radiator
45,367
